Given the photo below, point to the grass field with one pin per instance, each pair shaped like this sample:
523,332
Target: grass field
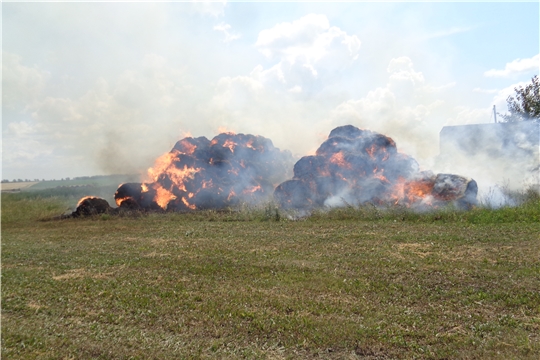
346,284
17,185
96,181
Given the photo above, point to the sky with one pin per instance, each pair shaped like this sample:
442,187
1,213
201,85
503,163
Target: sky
100,88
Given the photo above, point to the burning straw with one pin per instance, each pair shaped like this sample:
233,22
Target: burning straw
355,167
352,166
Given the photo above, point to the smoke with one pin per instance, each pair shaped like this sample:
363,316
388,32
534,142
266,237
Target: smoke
197,173
109,93
354,167
500,157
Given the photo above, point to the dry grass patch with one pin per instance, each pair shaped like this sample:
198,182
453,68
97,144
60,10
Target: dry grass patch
17,185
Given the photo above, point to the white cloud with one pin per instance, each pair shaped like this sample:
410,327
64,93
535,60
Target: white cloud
21,84
465,115
405,109
499,100
283,101
308,40
224,28
403,77
307,51
516,67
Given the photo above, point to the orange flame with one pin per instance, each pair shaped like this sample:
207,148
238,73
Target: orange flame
165,165
187,147
339,159
192,207
371,151
230,144
162,164
207,184
378,174
418,189
410,192
252,189
223,129
163,196
119,201
85,198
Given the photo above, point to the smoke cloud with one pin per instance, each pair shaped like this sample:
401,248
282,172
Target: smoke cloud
101,88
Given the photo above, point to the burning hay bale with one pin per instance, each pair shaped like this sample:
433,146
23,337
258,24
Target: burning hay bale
209,174
352,166
91,205
355,166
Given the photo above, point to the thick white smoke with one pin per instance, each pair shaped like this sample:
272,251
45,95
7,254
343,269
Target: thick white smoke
109,95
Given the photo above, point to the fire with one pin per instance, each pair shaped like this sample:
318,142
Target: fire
117,199
252,189
378,174
339,159
418,189
187,147
162,164
230,144
163,196
361,166
179,176
190,206
85,198
357,166
408,192
207,184
224,130
398,191
199,174
371,151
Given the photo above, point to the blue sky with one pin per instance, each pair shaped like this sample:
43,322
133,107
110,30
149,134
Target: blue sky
99,88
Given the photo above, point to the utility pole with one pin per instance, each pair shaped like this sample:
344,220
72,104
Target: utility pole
494,114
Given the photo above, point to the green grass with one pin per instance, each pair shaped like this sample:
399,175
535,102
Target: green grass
249,283
95,181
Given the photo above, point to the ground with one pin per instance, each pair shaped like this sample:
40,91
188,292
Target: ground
253,284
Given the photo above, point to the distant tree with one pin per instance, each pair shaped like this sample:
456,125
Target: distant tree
5,181
525,104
